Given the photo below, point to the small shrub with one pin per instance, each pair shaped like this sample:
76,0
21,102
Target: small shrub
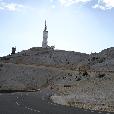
78,79
67,85
85,73
69,74
101,75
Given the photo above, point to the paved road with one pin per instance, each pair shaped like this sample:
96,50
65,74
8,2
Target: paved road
33,103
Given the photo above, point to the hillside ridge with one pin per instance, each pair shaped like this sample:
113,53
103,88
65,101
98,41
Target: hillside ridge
76,78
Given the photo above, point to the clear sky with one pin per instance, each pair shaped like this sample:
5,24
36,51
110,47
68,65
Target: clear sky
78,25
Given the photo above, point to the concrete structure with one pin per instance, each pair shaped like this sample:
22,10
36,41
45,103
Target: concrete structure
13,50
45,37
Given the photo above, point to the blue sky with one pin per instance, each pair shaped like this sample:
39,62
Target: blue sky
78,25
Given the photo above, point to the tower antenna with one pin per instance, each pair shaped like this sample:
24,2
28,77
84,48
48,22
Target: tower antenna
45,37
45,26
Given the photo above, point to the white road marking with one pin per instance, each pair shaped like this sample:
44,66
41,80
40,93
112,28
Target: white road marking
36,110
17,103
32,109
99,112
92,111
27,107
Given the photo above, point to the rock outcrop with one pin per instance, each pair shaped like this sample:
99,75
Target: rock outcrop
79,79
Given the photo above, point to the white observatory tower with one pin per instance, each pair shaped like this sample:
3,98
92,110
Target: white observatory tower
45,37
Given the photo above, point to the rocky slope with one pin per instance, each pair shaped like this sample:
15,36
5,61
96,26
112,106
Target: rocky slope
79,79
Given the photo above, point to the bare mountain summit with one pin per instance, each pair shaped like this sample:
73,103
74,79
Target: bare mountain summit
77,79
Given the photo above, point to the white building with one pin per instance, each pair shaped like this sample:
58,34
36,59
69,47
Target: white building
45,37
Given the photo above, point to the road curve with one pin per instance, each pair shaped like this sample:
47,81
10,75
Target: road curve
36,103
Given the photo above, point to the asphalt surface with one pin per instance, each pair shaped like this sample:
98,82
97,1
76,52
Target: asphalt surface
35,103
